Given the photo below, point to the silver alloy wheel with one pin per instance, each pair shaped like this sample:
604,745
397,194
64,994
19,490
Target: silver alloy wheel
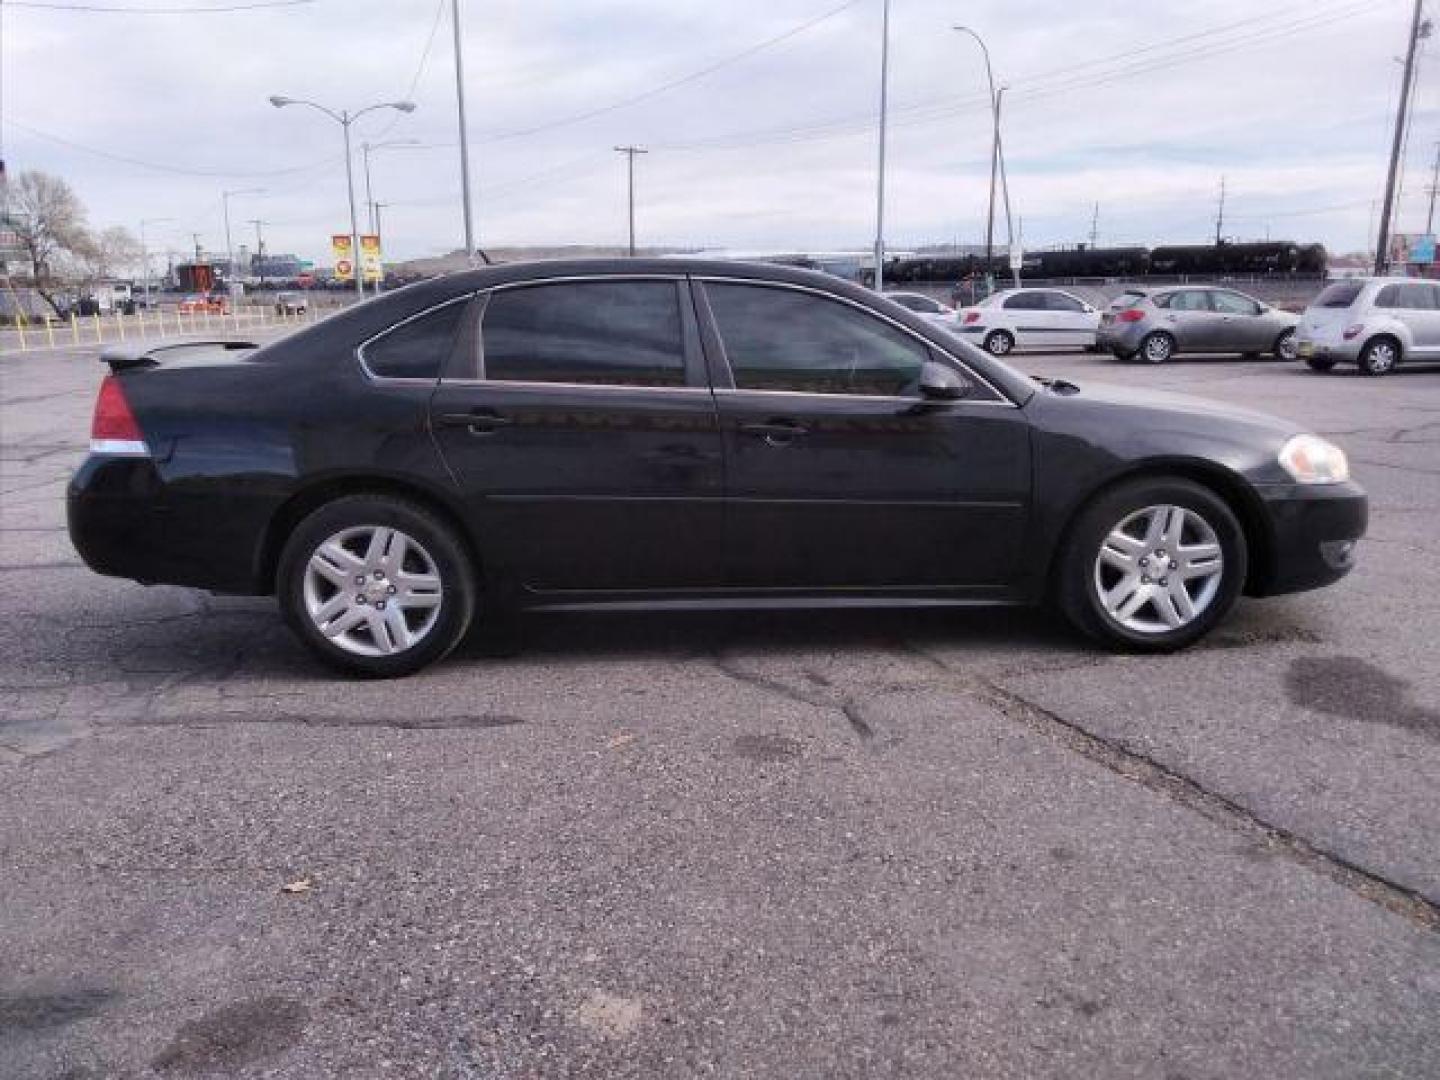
1158,348
1382,357
1159,569
373,590
999,344
1287,349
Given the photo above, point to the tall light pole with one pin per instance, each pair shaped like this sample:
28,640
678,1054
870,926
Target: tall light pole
366,149
1005,189
259,248
145,252
997,160
464,138
1418,29
630,152
225,197
345,118
880,178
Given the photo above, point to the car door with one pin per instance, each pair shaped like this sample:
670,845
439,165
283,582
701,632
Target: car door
838,474
584,439
1242,327
1188,316
1028,316
1074,322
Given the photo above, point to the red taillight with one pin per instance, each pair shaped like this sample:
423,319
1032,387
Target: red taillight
1352,332
1130,315
114,429
971,317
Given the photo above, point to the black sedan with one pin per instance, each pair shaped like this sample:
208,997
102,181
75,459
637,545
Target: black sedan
639,433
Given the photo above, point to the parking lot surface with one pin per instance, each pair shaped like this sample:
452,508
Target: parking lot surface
935,844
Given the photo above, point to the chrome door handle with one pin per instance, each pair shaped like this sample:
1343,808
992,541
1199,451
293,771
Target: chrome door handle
775,432
478,423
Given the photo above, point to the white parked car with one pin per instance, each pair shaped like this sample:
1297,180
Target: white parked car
1030,319
927,307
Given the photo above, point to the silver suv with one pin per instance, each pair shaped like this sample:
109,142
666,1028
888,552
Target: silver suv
1374,323
1154,324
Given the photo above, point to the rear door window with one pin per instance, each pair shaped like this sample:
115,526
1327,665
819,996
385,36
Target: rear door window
589,333
1060,302
1025,301
1229,303
417,348
1188,300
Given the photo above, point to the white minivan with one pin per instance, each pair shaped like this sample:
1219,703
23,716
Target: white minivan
1030,319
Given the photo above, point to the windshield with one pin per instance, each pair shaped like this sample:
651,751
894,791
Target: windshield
1340,295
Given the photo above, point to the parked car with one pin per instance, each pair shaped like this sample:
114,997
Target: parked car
291,303
927,307
1374,323
200,303
1030,319
1156,324
661,432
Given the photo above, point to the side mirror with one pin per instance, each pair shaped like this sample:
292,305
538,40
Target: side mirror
939,382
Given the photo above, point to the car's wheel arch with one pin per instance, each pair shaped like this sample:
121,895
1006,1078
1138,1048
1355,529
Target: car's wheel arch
315,494
1227,485
1386,335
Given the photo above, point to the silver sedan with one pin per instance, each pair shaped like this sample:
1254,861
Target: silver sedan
1155,324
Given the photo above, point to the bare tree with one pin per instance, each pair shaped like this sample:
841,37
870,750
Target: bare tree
49,222
107,254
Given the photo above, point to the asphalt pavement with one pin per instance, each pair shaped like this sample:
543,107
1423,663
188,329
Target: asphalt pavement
935,844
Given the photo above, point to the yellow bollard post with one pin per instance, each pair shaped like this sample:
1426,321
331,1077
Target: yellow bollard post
120,323
140,319
50,330
20,329
99,335
74,328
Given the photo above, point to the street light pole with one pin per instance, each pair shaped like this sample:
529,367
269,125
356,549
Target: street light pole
880,178
464,139
345,118
630,152
996,162
259,248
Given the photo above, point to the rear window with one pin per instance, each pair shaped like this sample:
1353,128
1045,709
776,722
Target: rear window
1339,295
1126,299
417,348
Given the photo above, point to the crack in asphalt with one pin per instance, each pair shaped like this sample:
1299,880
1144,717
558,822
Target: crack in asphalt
1152,774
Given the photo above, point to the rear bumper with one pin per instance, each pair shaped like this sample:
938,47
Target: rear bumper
126,521
1344,352
1119,338
1315,533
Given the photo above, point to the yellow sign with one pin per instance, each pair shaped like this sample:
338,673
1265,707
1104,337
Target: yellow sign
370,258
344,258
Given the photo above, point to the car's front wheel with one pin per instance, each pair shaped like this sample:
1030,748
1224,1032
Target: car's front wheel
1152,565
376,585
999,343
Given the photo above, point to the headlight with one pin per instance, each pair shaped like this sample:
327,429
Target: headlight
1312,460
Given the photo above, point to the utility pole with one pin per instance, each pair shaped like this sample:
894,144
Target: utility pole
1095,227
464,141
880,180
1419,28
259,249
1005,185
1434,186
997,160
232,275
630,152
1220,216
199,255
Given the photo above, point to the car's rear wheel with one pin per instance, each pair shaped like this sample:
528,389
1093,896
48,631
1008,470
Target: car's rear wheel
1157,348
1152,565
376,585
1379,357
999,343
1285,347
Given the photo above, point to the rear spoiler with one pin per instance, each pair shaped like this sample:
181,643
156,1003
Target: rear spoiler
138,354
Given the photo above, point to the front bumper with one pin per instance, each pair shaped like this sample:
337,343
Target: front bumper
1314,536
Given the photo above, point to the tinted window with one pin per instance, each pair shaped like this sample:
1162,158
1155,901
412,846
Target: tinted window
1410,297
917,303
608,333
1188,300
419,348
782,339
1025,301
1060,302
1233,304
1340,295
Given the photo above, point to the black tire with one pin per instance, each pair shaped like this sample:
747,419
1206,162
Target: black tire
437,541
999,343
1156,347
1319,363
1284,347
1077,583
1380,356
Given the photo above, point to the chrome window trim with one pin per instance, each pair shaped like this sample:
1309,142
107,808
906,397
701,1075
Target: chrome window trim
406,380
969,372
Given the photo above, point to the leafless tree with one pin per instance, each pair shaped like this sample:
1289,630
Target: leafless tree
49,222
108,254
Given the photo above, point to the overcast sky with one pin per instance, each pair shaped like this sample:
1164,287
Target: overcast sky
1139,106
